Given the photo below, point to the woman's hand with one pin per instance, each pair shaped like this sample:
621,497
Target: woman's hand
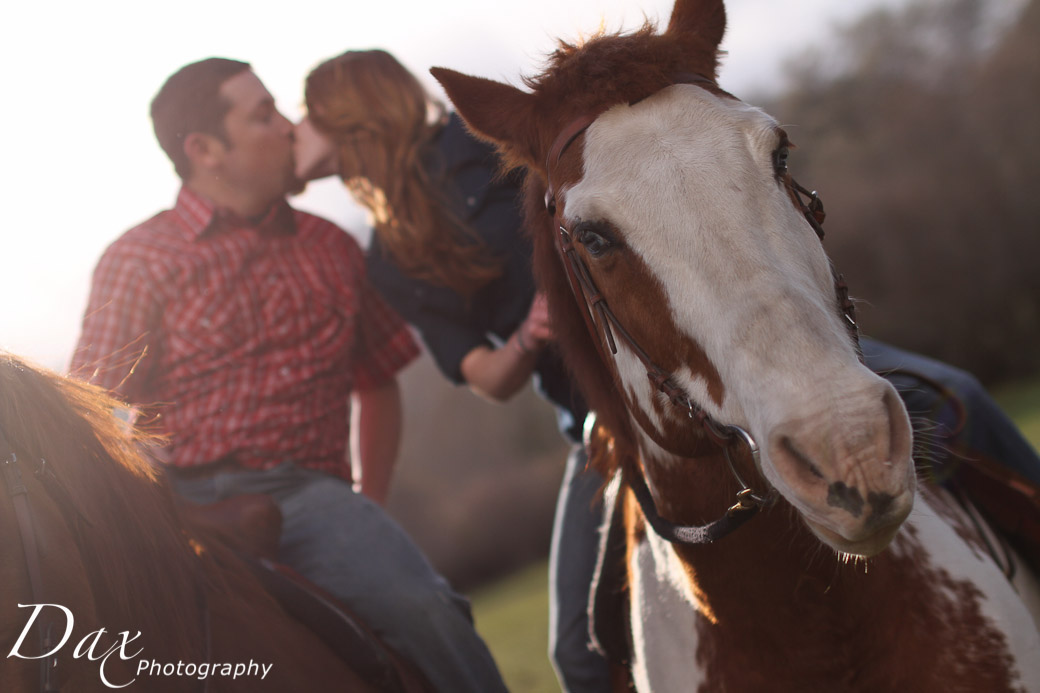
500,373
535,332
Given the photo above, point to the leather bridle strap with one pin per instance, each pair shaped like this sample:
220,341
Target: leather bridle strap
19,494
683,534
814,214
585,291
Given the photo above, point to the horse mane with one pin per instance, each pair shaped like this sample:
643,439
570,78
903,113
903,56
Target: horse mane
611,68
146,572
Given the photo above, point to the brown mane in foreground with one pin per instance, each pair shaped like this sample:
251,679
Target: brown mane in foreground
145,572
113,548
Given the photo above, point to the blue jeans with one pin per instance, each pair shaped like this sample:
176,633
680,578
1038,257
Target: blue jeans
987,429
347,545
572,560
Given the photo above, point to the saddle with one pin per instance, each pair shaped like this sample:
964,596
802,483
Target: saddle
1010,501
250,526
340,629
250,523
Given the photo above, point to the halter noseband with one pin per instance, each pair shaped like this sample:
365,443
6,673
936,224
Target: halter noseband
585,291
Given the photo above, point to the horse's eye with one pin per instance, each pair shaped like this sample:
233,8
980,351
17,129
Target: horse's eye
780,155
594,238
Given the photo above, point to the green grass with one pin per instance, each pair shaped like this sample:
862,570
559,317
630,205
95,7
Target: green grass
513,614
1022,402
513,617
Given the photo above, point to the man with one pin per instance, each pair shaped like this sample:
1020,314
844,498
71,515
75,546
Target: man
247,329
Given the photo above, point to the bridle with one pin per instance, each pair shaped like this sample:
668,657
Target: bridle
16,489
585,291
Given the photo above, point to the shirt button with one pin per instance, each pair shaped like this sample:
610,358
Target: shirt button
471,200
284,370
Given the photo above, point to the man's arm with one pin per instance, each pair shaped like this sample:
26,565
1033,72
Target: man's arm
376,437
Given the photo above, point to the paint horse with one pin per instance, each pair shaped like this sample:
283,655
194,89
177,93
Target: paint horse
90,528
772,536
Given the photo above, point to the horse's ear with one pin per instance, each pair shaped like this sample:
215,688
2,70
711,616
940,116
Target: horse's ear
699,25
494,111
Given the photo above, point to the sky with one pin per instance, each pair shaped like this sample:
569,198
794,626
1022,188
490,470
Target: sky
80,164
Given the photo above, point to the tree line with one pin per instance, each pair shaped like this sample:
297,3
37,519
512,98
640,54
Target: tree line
918,129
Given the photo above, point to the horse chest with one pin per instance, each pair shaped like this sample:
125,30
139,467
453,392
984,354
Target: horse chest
931,614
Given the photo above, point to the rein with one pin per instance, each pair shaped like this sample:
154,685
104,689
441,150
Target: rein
748,503
19,494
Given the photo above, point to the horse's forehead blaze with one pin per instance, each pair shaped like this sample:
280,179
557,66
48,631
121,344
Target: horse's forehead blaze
686,179
638,299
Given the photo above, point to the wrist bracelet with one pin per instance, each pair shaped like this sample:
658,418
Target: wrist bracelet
523,348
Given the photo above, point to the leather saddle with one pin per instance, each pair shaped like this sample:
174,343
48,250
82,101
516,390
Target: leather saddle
250,525
343,631
1009,500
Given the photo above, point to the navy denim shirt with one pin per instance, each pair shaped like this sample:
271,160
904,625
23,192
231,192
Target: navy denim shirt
450,325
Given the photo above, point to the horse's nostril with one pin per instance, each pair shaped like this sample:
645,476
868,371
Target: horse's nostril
848,498
881,505
789,447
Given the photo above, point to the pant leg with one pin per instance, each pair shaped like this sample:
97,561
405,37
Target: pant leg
987,429
349,546
572,560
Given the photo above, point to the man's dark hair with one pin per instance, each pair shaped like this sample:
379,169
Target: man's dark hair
190,101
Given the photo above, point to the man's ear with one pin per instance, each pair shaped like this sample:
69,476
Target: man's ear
204,151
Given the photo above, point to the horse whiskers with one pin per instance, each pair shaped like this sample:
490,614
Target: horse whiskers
856,561
933,455
927,430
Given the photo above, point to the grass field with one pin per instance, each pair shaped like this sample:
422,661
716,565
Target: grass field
513,615
1022,402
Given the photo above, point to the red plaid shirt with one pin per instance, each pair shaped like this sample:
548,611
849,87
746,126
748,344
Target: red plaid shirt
246,340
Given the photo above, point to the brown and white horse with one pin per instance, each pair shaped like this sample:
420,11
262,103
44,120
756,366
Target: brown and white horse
673,243
132,596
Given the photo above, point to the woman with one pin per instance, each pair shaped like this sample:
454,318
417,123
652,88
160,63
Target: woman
448,254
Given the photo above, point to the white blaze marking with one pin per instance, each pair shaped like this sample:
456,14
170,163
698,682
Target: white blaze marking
687,178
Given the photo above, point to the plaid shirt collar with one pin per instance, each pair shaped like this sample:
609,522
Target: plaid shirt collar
198,216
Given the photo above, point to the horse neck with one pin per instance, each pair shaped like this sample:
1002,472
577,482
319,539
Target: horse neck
769,565
62,579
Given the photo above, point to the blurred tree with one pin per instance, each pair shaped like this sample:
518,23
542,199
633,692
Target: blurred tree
919,121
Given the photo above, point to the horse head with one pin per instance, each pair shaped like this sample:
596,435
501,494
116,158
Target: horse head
671,202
